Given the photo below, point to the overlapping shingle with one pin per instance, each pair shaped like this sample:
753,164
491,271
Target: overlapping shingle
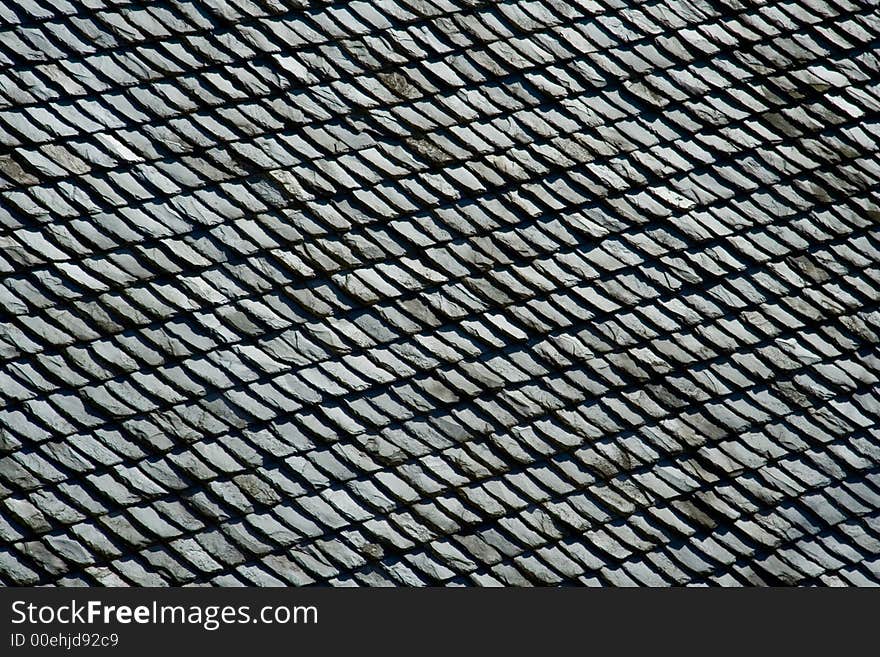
415,292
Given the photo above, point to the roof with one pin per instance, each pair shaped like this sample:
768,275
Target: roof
439,292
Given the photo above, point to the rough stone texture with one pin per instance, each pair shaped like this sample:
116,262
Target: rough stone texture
439,292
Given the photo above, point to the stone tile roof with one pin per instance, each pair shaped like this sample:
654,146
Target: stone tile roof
439,292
